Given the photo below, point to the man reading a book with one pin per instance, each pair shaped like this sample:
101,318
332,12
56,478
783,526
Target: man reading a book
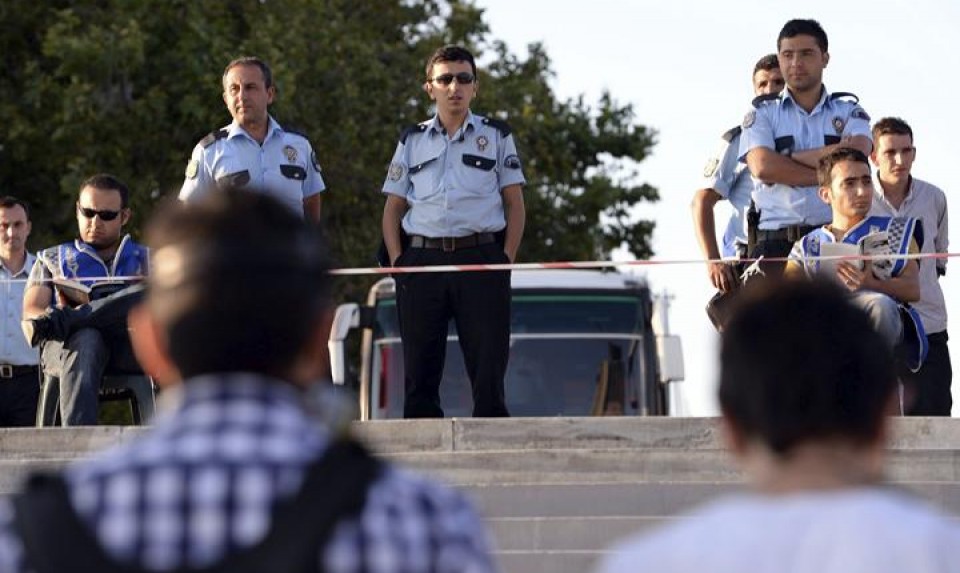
80,340
881,286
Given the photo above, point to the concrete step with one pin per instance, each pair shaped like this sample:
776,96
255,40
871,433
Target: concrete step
569,561
565,533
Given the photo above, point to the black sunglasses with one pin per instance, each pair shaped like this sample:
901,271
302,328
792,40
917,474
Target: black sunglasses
103,214
463,78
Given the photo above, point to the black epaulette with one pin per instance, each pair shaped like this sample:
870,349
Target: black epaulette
731,133
839,95
294,132
764,99
417,128
213,136
501,126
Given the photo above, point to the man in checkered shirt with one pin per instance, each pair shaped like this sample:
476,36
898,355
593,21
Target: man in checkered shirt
238,309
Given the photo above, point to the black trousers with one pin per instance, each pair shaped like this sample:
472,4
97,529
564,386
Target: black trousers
774,248
930,387
479,304
18,399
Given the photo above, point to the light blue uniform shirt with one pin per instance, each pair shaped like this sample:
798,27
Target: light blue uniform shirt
285,165
13,345
453,185
731,179
785,127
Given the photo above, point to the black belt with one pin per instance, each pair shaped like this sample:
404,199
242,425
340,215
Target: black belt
452,243
791,233
13,371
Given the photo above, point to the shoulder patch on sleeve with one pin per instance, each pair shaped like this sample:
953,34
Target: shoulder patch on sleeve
732,133
749,119
212,137
763,99
418,128
501,126
842,95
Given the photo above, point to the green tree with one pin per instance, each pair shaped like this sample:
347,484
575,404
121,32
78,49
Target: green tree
130,86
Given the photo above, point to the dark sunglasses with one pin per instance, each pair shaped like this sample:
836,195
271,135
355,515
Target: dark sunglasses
463,78
103,214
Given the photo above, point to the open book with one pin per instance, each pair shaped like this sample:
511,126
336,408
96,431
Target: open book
872,244
77,293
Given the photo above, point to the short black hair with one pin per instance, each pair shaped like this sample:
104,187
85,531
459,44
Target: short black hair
767,63
828,161
9,201
809,27
891,126
250,61
800,363
109,182
239,283
451,53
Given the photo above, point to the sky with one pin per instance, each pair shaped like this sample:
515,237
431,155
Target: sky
685,66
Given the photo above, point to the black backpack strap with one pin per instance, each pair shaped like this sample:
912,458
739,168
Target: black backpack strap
334,489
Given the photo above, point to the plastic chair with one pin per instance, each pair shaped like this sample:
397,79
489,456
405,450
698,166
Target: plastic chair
137,389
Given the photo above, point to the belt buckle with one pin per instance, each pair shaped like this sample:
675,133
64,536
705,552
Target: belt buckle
6,371
448,244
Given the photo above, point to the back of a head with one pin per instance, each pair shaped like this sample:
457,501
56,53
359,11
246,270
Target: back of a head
800,363
239,283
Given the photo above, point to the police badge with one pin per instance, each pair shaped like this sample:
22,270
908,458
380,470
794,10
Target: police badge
395,172
749,119
838,125
290,152
482,142
192,169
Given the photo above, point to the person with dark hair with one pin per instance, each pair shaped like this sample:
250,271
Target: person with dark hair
726,178
255,150
454,196
19,391
900,194
784,137
250,468
805,399
881,286
82,335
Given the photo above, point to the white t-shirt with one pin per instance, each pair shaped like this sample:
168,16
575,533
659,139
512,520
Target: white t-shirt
856,530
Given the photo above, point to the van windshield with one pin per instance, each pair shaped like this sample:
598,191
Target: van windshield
570,355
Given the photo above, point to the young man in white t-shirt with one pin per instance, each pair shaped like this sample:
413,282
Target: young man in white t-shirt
805,395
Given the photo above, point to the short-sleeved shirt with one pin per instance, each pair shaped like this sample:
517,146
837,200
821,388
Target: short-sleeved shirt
452,184
927,203
781,125
731,179
285,165
13,346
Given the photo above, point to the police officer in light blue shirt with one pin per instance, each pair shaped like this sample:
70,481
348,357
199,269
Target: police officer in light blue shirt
454,196
725,177
784,138
255,150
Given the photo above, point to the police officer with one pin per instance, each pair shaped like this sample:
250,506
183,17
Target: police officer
255,150
785,136
454,196
727,178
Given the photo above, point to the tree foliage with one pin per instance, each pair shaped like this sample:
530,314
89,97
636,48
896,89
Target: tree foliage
129,86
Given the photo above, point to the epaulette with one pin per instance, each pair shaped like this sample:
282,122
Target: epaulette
732,133
499,125
417,128
294,132
839,95
764,99
213,136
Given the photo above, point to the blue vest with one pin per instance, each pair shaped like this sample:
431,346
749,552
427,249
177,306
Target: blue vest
79,261
900,231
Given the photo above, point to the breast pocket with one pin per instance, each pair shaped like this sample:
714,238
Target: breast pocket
480,175
294,172
235,179
425,179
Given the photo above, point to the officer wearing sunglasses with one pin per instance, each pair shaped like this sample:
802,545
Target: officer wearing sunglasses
453,196
80,339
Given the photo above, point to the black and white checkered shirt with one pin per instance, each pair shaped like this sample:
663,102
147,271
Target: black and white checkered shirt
203,482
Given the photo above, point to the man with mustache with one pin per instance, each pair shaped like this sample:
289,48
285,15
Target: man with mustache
255,150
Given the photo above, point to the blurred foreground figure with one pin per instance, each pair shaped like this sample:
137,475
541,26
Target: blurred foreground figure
249,469
805,388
